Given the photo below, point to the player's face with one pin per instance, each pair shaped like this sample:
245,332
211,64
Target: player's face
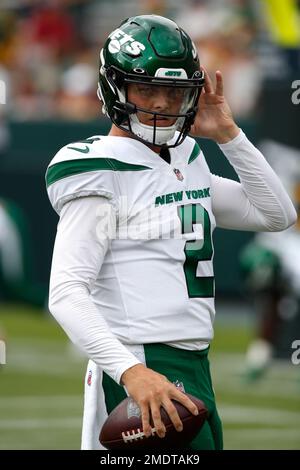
159,99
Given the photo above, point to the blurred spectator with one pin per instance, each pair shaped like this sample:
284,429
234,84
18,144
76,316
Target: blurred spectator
8,26
283,21
271,268
77,99
51,27
225,34
16,265
154,7
46,44
45,39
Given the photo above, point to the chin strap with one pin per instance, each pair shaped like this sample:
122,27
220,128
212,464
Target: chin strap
152,134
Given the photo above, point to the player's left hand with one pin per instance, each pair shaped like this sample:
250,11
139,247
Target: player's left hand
214,118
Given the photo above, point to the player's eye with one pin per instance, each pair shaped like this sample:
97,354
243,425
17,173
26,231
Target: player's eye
179,92
145,89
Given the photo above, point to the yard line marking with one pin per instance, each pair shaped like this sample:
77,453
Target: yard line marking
66,423
39,401
251,414
263,434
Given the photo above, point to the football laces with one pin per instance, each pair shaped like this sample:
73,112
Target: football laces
135,435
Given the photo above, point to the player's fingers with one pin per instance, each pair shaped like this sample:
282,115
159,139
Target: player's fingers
219,85
185,401
145,415
157,421
208,84
174,417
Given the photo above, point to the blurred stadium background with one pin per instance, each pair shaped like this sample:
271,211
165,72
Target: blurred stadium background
48,75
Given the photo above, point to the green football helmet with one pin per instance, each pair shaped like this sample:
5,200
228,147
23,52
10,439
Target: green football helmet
155,51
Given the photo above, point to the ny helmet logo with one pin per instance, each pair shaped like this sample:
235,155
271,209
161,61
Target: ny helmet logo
118,38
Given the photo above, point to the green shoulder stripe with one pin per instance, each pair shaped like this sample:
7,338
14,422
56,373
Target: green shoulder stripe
74,167
195,153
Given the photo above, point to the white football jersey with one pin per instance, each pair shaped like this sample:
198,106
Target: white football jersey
156,283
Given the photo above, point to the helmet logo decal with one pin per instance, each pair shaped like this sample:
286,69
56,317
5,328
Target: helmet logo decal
119,38
114,46
171,73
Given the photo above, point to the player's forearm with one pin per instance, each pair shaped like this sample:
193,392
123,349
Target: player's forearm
261,185
83,323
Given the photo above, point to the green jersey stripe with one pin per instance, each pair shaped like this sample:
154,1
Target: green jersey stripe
74,167
195,153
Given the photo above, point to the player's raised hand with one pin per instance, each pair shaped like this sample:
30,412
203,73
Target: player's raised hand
151,390
214,118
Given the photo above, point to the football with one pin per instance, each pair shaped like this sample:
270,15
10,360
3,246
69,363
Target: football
123,427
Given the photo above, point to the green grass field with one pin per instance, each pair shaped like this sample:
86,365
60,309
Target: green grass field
41,389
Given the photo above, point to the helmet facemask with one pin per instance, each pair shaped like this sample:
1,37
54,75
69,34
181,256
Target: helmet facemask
155,133
125,115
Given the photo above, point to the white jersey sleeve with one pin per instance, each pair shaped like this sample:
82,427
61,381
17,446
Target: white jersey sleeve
80,247
81,169
259,202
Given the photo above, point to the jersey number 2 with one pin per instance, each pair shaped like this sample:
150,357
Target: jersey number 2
193,215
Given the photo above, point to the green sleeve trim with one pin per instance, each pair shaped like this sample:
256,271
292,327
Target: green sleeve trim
67,168
195,153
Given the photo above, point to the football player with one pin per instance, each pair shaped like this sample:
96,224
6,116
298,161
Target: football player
132,279
270,266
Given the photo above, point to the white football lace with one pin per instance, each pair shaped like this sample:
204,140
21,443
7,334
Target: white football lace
135,435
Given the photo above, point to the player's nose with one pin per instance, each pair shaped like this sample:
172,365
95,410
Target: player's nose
161,100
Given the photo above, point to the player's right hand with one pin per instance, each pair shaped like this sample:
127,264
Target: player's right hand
151,390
